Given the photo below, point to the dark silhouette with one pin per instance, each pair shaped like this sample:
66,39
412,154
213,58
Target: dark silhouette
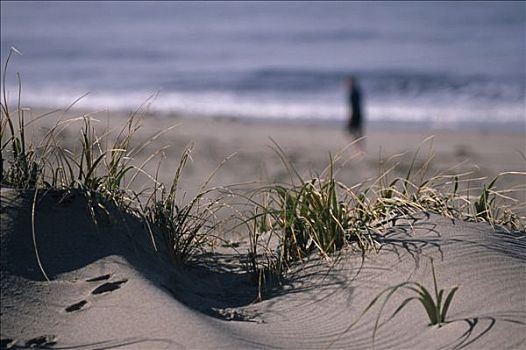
355,120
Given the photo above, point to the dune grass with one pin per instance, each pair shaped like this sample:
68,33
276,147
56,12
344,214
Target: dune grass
286,222
102,172
436,307
101,167
187,228
22,169
289,222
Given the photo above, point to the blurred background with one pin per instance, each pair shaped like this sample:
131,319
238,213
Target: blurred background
420,64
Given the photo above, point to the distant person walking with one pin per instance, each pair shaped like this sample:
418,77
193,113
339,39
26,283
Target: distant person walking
355,121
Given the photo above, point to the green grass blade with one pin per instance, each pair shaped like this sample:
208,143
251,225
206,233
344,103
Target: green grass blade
427,301
93,167
447,303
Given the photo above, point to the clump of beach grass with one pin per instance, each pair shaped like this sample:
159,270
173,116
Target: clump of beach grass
186,227
23,168
320,215
291,221
101,167
436,306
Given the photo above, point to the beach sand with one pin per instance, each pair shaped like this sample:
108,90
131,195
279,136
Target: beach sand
245,150
109,289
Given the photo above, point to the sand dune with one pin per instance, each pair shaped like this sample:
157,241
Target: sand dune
109,289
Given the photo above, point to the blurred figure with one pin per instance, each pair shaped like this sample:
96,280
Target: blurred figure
355,115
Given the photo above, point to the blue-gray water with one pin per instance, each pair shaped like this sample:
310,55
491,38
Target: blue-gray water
441,64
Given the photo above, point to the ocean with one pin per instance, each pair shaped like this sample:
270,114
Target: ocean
432,64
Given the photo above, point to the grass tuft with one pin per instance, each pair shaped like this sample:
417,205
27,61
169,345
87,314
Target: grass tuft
101,167
22,169
436,307
186,228
287,222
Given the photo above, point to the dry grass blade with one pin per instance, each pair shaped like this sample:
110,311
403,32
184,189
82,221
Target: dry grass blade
185,227
23,170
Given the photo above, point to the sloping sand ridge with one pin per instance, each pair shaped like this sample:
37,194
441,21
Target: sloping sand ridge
109,286
109,289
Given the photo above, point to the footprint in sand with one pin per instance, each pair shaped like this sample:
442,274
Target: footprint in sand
103,288
77,306
7,343
41,342
108,287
